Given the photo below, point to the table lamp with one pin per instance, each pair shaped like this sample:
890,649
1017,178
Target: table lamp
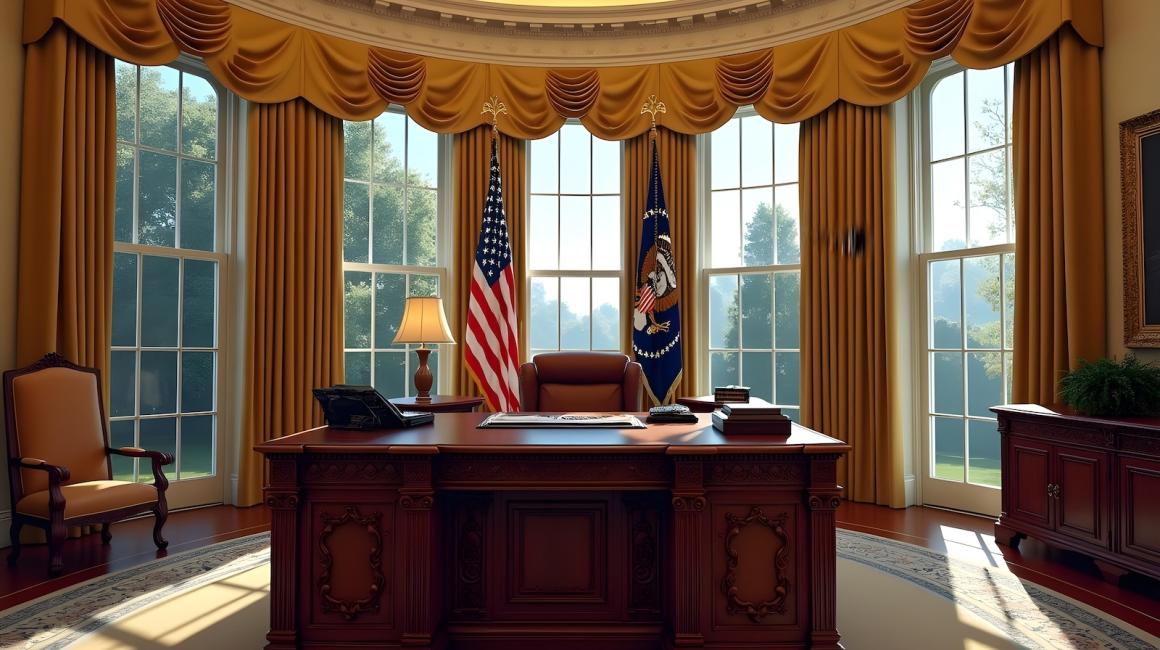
423,323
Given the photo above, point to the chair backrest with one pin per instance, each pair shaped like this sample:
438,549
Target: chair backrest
53,412
580,381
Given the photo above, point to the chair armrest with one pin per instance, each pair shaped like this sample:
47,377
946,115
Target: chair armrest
157,458
56,473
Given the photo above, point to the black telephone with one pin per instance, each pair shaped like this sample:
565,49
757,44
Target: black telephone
362,407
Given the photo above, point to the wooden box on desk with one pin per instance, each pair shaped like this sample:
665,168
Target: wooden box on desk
756,417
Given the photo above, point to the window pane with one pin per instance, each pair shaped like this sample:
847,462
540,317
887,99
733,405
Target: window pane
757,373
544,156
157,434
575,313
756,312
984,461
389,148
200,294
984,382
948,449
543,253
356,313
785,153
575,233
122,434
159,107
122,383
724,145
423,285
726,224
575,155
786,219
391,374
605,166
356,221
159,296
986,111
197,446
126,101
422,226
197,382
946,373
606,226
757,226
124,299
358,368
357,150
723,369
199,112
422,156
948,206
387,220
988,216
982,299
789,370
787,316
945,308
756,151
158,382
198,204
946,118
605,313
157,199
545,305
390,300
124,199
723,311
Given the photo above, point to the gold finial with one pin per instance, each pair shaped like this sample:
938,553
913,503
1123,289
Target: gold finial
495,108
652,107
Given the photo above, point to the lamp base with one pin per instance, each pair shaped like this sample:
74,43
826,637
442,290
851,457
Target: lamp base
423,377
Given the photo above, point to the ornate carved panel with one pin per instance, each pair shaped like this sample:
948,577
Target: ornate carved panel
520,470
749,472
756,607
470,564
351,471
644,588
352,585
1093,437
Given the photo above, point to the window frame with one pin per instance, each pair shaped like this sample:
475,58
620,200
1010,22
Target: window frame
707,271
531,274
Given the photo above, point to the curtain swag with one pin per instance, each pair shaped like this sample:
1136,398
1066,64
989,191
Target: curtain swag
267,61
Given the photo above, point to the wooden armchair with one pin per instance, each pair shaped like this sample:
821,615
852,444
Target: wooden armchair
59,466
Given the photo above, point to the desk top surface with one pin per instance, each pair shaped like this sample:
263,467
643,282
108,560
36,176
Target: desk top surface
457,433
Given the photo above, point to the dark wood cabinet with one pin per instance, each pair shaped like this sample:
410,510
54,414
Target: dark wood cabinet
1085,484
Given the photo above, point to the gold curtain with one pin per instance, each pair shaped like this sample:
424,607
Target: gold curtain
678,161
294,276
66,203
871,63
846,179
472,160
1059,215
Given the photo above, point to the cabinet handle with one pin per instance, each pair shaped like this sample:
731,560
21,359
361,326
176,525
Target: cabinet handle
1057,491
1051,489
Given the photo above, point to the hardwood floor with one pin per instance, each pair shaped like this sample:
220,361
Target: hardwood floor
1136,600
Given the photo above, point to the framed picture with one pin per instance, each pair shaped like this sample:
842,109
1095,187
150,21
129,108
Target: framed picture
1140,185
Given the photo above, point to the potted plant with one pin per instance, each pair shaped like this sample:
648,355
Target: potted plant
1112,388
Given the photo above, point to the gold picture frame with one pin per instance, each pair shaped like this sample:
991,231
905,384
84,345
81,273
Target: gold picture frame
1140,192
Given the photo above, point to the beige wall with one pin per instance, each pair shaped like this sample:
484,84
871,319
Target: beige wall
11,84
1131,77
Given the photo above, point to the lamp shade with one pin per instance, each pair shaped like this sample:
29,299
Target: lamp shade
424,322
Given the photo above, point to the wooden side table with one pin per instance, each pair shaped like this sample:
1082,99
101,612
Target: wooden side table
706,403
439,404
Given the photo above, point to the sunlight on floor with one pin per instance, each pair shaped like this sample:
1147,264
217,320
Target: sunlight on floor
971,546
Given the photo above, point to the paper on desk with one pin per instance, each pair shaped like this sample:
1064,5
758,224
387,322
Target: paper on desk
576,420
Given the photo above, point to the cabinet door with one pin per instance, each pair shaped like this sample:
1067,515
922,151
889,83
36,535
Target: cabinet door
1081,510
1140,508
1030,469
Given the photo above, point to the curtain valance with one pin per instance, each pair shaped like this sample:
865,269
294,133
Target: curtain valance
268,61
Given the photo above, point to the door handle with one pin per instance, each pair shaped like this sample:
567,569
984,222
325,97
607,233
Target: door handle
1053,490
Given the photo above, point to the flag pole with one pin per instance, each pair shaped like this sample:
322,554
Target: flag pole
653,106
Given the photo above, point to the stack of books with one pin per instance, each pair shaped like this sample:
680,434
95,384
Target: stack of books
731,394
755,417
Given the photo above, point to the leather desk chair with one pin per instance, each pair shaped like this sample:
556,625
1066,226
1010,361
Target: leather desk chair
59,466
581,381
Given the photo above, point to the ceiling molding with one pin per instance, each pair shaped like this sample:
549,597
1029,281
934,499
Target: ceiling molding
488,32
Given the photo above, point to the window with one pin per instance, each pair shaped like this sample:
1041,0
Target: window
391,210
167,268
969,268
574,246
753,269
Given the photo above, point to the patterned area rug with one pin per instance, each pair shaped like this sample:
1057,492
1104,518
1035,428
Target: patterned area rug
885,601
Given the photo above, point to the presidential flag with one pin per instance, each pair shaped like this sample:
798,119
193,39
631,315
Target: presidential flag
490,341
656,315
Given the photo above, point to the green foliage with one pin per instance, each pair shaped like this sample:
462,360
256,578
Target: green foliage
1112,388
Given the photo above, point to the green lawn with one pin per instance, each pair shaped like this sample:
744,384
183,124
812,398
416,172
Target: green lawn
984,471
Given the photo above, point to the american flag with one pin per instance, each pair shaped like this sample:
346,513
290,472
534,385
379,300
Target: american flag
491,313
645,299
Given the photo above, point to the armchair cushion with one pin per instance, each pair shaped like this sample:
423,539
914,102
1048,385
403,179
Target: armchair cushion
57,412
90,498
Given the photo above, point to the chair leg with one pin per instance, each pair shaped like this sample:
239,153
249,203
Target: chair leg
161,513
56,536
14,532
106,535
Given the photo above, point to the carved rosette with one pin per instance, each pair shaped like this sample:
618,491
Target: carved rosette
688,504
282,500
351,608
417,501
736,603
825,501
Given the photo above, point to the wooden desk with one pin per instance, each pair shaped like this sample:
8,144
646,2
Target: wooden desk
450,536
